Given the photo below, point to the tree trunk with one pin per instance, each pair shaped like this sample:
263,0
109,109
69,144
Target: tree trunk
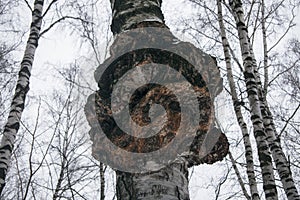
17,106
131,14
167,184
237,109
280,160
170,182
253,96
273,139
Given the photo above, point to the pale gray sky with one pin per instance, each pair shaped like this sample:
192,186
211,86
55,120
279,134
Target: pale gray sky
59,48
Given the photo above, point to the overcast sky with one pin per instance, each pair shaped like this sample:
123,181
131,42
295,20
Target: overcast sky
60,48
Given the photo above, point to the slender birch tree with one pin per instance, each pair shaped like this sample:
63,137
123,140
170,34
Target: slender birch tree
253,96
17,106
260,100
260,16
22,87
278,155
237,108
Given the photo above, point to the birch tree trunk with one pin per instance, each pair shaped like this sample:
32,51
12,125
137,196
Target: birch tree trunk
17,106
237,108
278,155
170,182
166,184
255,104
273,139
266,57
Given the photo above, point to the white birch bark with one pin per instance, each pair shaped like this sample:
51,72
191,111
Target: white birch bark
129,14
237,109
273,139
255,104
280,160
278,155
17,106
169,183
265,44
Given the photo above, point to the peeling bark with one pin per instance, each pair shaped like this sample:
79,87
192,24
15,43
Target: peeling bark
17,106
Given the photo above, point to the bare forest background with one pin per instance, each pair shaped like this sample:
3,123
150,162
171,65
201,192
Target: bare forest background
51,158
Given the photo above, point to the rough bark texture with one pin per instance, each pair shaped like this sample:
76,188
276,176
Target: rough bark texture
17,106
237,109
253,96
139,114
131,14
170,182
